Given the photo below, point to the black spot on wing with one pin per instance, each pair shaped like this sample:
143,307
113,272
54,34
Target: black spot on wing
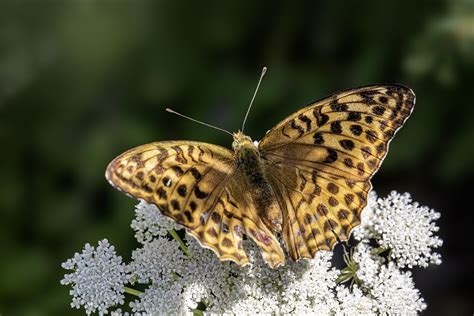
306,120
167,181
378,110
318,138
339,107
331,157
199,194
347,144
175,204
356,129
177,170
296,127
182,190
336,127
383,99
354,116
161,193
349,163
368,97
196,174
321,119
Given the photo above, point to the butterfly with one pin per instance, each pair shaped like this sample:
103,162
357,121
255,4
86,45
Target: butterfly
305,183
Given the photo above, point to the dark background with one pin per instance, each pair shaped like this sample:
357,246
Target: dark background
82,81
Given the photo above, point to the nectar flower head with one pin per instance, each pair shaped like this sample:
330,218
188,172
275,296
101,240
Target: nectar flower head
403,227
157,261
149,222
368,263
97,279
354,302
395,292
392,291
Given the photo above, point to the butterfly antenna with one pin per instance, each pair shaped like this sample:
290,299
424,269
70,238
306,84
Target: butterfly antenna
194,120
264,70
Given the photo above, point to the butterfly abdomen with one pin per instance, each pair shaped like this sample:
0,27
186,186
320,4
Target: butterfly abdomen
251,164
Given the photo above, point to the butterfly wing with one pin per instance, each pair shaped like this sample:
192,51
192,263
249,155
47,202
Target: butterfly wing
321,158
198,186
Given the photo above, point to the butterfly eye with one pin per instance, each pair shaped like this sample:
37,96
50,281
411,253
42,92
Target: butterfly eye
234,144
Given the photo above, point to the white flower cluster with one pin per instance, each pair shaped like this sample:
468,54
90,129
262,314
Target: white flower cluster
402,227
180,277
392,290
149,222
97,279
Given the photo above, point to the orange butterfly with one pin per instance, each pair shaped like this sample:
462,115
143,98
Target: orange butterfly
306,181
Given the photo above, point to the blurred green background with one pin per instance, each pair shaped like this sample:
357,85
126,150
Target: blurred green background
82,81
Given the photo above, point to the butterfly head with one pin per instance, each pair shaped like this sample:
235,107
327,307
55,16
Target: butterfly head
242,141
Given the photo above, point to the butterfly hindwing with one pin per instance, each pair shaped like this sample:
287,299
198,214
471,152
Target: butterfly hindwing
318,211
321,158
199,186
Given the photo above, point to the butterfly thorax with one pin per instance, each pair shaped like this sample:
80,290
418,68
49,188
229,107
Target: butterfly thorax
250,163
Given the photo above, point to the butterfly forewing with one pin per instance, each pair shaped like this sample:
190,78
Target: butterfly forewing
199,186
320,161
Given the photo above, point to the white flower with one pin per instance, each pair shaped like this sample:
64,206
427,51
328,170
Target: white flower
118,312
392,291
149,222
365,229
368,263
194,293
395,292
204,275
157,261
97,279
355,302
161,299
403,227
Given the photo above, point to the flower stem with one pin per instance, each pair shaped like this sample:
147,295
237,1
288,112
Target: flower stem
175,236
131,291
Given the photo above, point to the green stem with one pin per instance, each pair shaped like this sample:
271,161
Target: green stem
131,291
175,236
174,276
